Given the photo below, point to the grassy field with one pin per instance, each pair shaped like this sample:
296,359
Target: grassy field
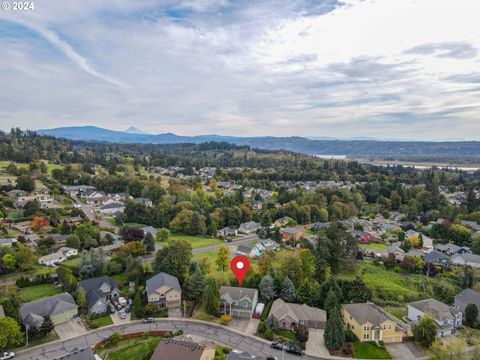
398,312
197,241
201,314
38,291
370,351
132,349
72,262
374,246
100,322
211,255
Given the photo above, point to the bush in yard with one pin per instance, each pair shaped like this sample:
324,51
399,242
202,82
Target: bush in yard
425,332
115,338
261,327
301,333
225,319
269,334
471,315
350,336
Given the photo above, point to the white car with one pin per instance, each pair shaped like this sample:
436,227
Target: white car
122,301
122,314
6,355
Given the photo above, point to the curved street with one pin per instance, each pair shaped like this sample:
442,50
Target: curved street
217,333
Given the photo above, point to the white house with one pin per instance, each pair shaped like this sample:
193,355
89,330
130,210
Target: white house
57,257
447,318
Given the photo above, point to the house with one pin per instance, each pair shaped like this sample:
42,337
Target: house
289,315
451,249
437,259
176,349
292,233
78,189
164,290
466,260
238,302
226,232
447,318
73,220
7,241
112,209
99,291
268,245
397,251
283,221
369,322
60,308
57,257
471,225
361,236
150,230
16,193
95,198
249,227
144,201
465,297
320,226
249,250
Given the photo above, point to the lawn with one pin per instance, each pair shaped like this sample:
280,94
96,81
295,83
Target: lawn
197,241
201,314
375,246
133,349
72,262
370,351
38,291
211,255
286,334
100,322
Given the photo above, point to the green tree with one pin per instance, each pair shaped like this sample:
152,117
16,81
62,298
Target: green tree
287,292
163,234
196,285
307,291
73,241
453,348
174,259
334,334
149,243
267,288
331,302
81,298
10,333
211,297
223,258
25,183
190,222
425,331
9,261
471,314
46,326
138,309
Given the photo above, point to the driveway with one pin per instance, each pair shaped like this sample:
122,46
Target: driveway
407,350
117,321
70,329
238,324
315,345
252,326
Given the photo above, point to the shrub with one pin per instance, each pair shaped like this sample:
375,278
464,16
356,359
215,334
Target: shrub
350,336
225,319
261,327
269,334
115,338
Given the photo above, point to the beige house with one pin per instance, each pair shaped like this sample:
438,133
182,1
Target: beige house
164,290
291,315
60,308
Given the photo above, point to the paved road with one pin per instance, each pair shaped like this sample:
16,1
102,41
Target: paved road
220,334
235,242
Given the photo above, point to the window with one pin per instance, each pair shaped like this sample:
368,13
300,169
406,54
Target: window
245,304
389,327
353,327
384,327
366,336
366,328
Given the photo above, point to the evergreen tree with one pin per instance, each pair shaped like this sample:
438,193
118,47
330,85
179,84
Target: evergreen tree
307,291
196,285
425,332
81,298
331,302
334,335
223,258
211,297
287,292
149,243
267,288
138,309
471,314
46,326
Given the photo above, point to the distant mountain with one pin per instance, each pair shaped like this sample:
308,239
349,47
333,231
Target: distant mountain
352,148
134,130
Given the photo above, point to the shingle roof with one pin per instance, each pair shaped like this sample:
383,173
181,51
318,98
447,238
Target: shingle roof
162,279
467,296
92,286
366,312
236,293
179,350
34,311
298,312
439,310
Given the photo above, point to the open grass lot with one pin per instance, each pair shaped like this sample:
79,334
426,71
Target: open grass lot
211,255
133,349
370,351
197,241
375,246
38,291
100,322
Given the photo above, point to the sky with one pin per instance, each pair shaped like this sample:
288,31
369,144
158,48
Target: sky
401,69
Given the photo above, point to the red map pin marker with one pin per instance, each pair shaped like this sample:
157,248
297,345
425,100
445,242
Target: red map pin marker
239,266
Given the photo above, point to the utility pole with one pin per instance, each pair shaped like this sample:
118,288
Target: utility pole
26,333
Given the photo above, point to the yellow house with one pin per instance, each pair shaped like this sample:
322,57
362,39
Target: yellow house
371,323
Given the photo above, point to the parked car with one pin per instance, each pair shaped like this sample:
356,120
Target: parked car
277,346
149,320
6,355
122,314
271,358
122,301
294,350
127,309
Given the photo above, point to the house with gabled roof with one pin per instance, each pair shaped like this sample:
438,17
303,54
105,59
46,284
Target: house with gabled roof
238,302
283,221
466,260
249,227
289,315
369,322
60,308
164,290
451,249
99,291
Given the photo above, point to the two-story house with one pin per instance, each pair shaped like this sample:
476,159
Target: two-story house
238,302
164,290
371,323
100,291
447,318
466,297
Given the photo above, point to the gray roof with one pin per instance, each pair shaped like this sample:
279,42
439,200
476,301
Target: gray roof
33,312
82,354
439,310
237,293
375,315
92,288
246,249
162,279
434,257
467,296
470,258
298,312
452,248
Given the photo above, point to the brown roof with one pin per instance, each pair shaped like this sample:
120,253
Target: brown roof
169,349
